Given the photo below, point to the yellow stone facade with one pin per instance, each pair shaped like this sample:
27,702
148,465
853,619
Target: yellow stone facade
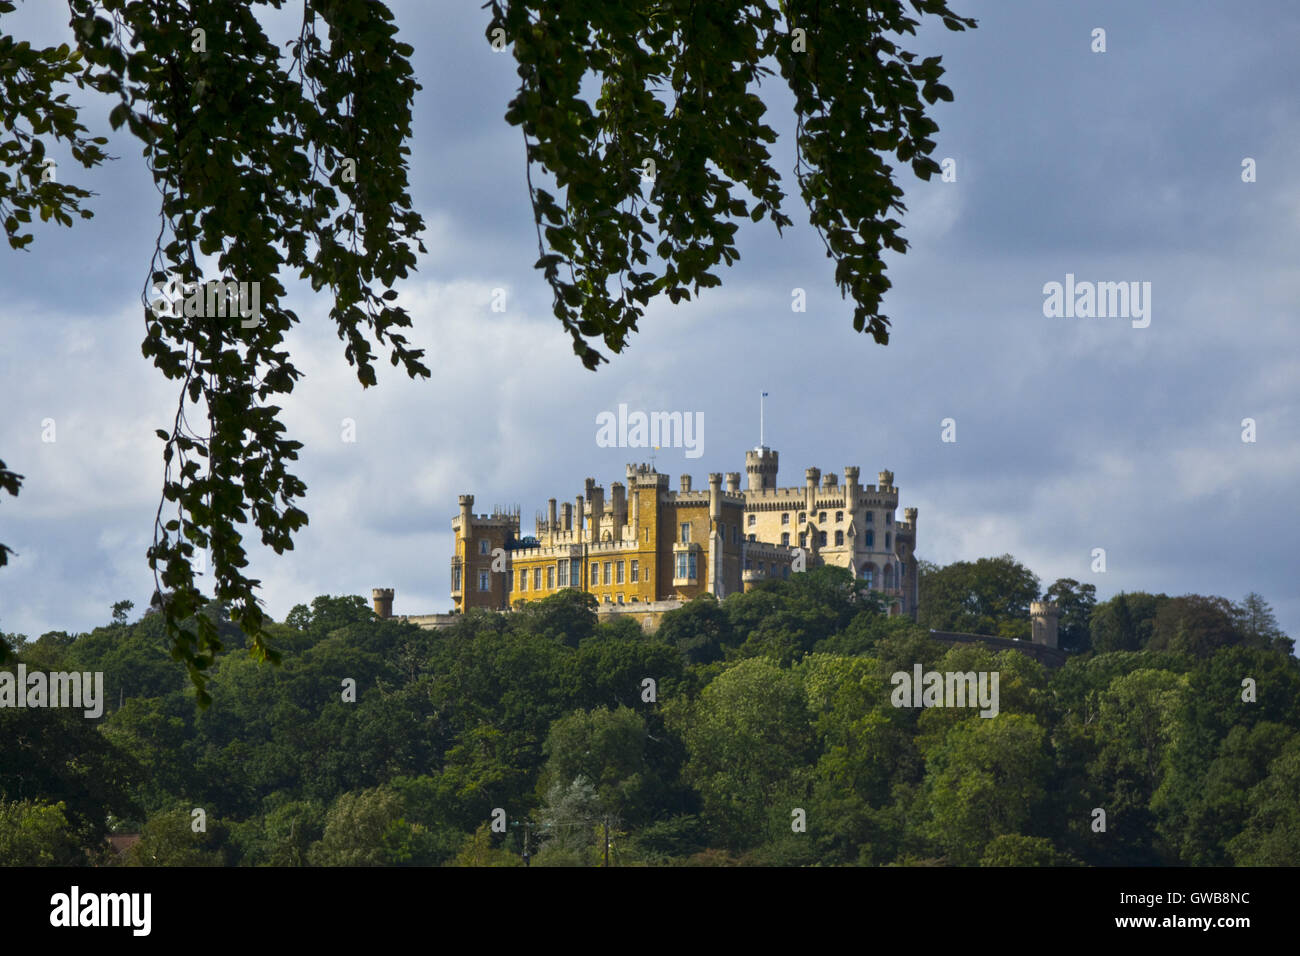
649,544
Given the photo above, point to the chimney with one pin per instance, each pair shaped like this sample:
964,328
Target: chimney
686,483
619,508
566,517
550,515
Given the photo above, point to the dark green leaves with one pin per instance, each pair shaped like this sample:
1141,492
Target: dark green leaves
676,89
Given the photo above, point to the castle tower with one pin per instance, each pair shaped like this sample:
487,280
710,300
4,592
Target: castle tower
852,490
810,478
1043,617
760,465
383,601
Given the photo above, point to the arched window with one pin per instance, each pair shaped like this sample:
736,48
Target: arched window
839,538
889,576
785,537
869,575
839,517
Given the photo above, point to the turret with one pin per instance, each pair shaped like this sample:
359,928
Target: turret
466,516
733,482
852,490
1043,617
810,477
760,465
715,497
886,480
383,600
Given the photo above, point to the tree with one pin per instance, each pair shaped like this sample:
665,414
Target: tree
988,596
985,781
1125,622
312,178
1193,624
1075,602
36,834
748,737
608,748
1257,624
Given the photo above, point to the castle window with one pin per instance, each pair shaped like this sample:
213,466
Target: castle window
803,516
537,579
620,599
871,539
562,578
821,538
869,576
636,570
889,517
785,517
886,540
618,576
753,537
785,573
455,578
785,537
803,540
483,580
751,520
482,545
550,577
523,580
869,517
595,573
839,517
686,565
686,533
608,564
839,539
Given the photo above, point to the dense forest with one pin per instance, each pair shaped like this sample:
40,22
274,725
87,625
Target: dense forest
758,730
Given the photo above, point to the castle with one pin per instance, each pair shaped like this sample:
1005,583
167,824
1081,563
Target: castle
654,548
648,550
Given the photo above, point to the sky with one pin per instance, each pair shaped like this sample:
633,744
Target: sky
1071,434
